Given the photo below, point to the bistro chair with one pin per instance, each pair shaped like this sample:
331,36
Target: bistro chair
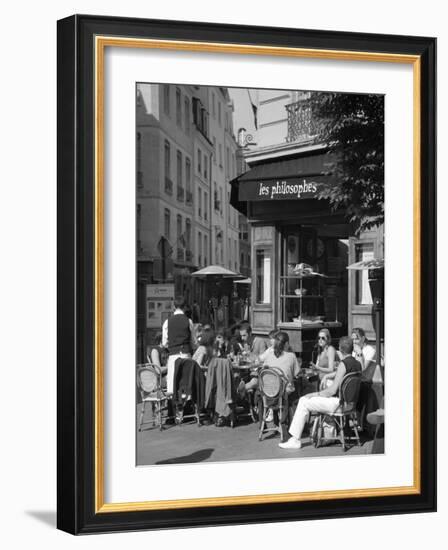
272,388
345,414
149,383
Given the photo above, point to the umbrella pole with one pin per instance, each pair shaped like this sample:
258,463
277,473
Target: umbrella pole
378,336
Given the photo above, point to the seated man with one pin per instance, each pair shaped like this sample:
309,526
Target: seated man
324,401
254,345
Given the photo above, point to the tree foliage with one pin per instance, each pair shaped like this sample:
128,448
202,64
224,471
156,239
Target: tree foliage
352,125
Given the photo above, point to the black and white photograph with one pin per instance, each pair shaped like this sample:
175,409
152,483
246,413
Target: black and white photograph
259,274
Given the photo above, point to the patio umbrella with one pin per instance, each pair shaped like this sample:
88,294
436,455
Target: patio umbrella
373,263
247,281
216,271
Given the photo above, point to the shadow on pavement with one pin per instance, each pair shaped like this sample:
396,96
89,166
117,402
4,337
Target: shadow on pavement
197,456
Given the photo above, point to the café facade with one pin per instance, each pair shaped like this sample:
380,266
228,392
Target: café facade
301,248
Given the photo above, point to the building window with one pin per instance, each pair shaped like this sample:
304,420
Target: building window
200,117
180,188
215,197
205,167
229,254
178,107
139,228
166,99
235,245
262,276
179,230
167,228
220,200
199,248
199,161
242,259
214,150
188,234
205,205
187,115
189,194
220,155
139,161
167,162
363,252
199,202
205,249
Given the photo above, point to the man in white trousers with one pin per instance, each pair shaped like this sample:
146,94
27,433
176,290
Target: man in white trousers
178,336
324,401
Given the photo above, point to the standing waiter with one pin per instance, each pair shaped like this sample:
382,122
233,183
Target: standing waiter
178,337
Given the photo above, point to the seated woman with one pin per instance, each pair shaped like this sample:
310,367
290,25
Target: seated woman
222,347
204,351
234,337
326,359
271,337
158,355
278,358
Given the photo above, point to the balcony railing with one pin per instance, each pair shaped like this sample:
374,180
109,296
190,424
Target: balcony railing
302,126
189,197
168,186
180,193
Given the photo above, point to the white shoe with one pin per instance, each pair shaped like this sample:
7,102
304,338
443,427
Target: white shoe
292,443
270,416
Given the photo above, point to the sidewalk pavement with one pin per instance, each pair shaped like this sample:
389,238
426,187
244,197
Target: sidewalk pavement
190,443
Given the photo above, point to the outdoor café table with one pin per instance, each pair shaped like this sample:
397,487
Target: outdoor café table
307,377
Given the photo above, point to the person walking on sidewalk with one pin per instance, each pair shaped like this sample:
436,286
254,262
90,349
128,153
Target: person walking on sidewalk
324,401
179,337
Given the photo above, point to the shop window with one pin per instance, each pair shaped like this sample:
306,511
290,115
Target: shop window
309,289
263,276
363,252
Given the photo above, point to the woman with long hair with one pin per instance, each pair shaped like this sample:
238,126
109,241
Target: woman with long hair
279,358
157,354
326,358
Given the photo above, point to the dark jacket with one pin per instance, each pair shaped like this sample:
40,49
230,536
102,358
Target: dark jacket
189,380
219,386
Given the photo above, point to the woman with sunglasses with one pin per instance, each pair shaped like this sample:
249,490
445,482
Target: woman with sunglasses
326,359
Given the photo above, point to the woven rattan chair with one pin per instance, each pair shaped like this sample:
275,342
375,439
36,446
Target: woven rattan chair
272,387
346,411
149,382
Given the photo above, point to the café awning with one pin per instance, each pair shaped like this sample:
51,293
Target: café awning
292,178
